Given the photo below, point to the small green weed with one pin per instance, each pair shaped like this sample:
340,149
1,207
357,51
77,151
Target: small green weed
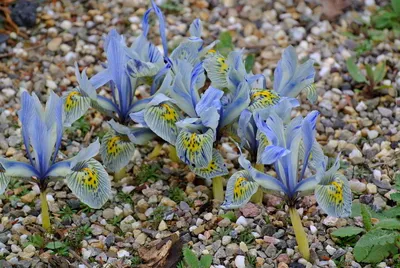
191,261
81,124
149,173
158,215
246,236
66,213
176,194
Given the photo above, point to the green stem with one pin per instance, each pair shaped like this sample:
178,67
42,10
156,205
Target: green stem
218,188
258,196
119,175
301,236
156,151
172,154
45,211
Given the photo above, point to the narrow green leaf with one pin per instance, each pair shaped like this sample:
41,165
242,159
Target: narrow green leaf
366,216
206,261
55,245
370,73
388,224
190,258
355,71
230,215
225,44
396,6
348,231
249,62
380,72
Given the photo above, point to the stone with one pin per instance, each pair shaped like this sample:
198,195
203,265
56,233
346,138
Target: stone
250,210
66,25
224,222
331,250
240,261
141,239
30,249
28,198
357,186
371,188
54,44
122,253
313,229
231,249
243,247
372,134
165,201
208,216
226,239
162,226
271,251
242,221
199,230
385,112
108,213
330,221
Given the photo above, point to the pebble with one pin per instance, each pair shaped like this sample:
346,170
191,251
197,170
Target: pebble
226,239
385,112
162,226
242,221
66,25
122,253
240,261
371,188
54,44
331,250
357,186
313,229
330,221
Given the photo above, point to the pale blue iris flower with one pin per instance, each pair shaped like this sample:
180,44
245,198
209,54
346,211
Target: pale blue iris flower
42,131
299,163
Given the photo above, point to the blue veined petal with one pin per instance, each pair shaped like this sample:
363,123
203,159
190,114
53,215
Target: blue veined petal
195,149
105,106
196,28
334,196
188,51
162,27
293,131
182,92
137,68
217,70
4,181
141,135
246,131
63,168
261,121
210,118
85,86
139,105
331,171
54,119
273,153
100,79
26,116
11,168
263,142
290,77
312,94
161,118
306,185
264,180
262,98
240,101
207,49
138,117
210,98
75,106
162,79
239,189
308,133
237,72
90,183
284,108
215,168
116,150
191,124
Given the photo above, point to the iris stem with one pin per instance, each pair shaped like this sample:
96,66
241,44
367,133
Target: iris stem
173,154
301,236
45,212
218,188
119,175
257,198
156,151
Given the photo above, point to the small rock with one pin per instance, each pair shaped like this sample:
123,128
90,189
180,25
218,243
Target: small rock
54,44
208,216
28,198
331,250
330,221
240,261
371,188
165,201
250,210
108,213
243,247
242,221
313,229
122,253
271,251
226,239
30,249
385,112
141,239
162,226
357,186
66,25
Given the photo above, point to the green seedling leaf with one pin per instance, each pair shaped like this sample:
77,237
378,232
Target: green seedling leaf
355,71
225,44
249,62
55,245
370,73
379,72
230,215
366,216
395,197
392,212
388,224
190,258
396,6
348,231
375,246
206,261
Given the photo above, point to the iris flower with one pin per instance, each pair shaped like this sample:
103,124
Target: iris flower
126,69
301,168
42,131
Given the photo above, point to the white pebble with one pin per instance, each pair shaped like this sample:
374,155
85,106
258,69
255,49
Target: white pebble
240,261
242,221
313,229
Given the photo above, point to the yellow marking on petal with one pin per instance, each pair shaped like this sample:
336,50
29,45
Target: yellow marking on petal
223,67
264,96
169,113
90,178
71,100
240,187
210,168
113,146
336,192
211,51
